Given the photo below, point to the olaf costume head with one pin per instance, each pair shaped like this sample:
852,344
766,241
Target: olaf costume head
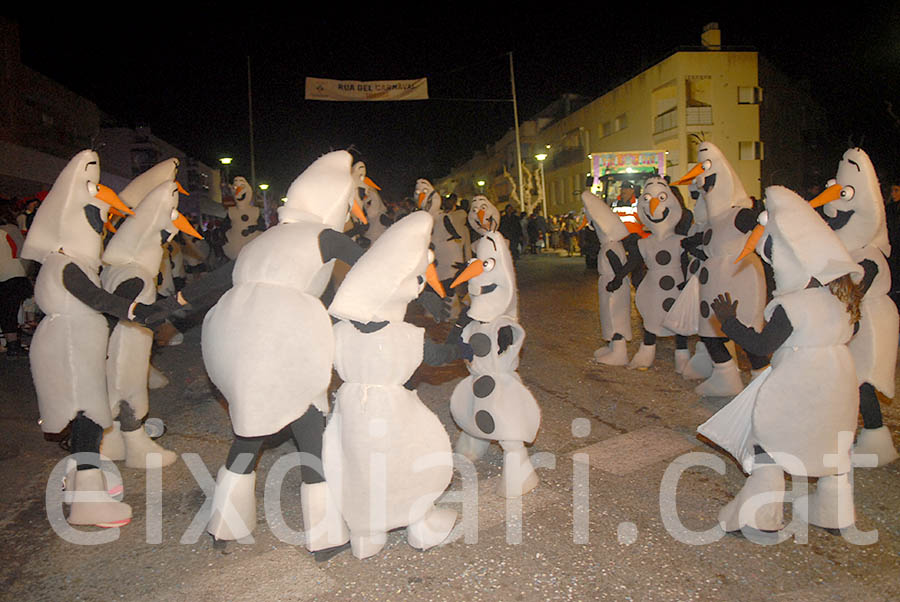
659,209
71,218
323,193
853,205
797,244
390,274
719,186
492,279
427,198
243,192
483,215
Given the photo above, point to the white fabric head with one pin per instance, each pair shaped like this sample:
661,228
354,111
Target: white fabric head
427,198
139,239
719,183
861,194
322,193
139,187
490,215
493,291
608,225
61,221
799,244
389,275
667,212
243,192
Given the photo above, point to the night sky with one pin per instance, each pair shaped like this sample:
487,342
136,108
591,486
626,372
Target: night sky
184,73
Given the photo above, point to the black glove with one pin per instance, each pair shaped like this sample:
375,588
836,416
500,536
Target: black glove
614,284
724,307
433,304
153,315
466,351
504,339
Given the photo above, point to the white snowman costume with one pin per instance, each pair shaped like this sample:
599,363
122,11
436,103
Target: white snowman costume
132,257
492,403
854,208
483,215
68,351
614,305
387,457
725,202
449,243
268,344
245,218
661,213
795,410
373,207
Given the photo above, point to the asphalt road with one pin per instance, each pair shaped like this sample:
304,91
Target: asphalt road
627,493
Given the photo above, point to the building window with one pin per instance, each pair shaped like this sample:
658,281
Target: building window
699,115
748,95
621,122
750,151
666,121
606,128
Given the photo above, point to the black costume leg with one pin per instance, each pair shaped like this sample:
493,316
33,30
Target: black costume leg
308,431
85,438
618,336
649,338
869,407
128,422
244,454
717,350
681,341
757,362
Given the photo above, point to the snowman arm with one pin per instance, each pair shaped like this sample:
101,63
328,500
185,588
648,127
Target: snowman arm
455,334
870,269
337,245
451,230
773,335
692,243
745,220
82,288
210,287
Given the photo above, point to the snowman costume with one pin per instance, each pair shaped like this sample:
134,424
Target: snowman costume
268,346
448,238
660,252
68,351
853,207
483,216
492,403
245,219
729,214
768,427
377,220
387,456
132,257
613,285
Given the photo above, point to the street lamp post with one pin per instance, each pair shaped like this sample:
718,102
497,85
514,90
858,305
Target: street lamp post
540,157
266,209
226,165
480,186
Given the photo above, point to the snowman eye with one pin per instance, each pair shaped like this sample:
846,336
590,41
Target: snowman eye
645,198
174,215
763,218
707,164
847,193
93,189
662,196
488,264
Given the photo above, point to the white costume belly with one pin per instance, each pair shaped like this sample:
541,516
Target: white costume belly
614,307
386,456
492,403
68,351
658,290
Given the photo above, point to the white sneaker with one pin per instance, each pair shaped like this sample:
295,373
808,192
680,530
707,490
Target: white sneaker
234,506
700,366
432,529
325,527
644,357
617,356
760,502
138,444
725,381
92,505
831,506
877,442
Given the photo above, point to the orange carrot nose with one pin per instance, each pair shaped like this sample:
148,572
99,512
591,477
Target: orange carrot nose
370,183
108,225
181,188
431,277
481,218
584,222
108,196
357,212
752,241
475,267
832,193
182,223
689,176
654,203
421,199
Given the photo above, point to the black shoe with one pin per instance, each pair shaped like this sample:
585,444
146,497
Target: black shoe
14,349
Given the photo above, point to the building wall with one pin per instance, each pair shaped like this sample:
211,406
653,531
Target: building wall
688,97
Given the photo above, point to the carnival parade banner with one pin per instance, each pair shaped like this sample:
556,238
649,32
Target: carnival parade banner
351,90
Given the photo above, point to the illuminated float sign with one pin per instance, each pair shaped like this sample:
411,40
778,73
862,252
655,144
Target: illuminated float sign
637,162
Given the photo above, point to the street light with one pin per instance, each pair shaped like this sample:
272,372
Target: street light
481,185
226,164
540,157
267,212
